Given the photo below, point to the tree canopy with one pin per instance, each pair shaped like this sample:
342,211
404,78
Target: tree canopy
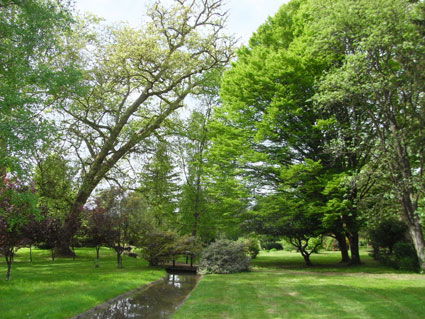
31,74
152,135
136,78
338,83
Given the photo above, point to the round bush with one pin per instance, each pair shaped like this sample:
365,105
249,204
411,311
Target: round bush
224,257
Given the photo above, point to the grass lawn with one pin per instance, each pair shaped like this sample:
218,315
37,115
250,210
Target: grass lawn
64,288
280,286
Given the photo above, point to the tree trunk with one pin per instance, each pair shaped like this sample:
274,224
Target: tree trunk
102,163
30,253
307,258
53,255
119,260
97,252
9,265
195,224
119,250
415,232
354,248
8,256
415,229
375,248
196,206
71,224
63,249
340,237
401,173
352,225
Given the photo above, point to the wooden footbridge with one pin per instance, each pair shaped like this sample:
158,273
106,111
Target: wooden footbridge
176,266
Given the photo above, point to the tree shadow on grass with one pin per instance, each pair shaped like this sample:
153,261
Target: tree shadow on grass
323,262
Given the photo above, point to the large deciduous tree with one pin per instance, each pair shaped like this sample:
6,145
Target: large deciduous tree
135,79
294,210
31,34
31,75
380,46
269,121
340,82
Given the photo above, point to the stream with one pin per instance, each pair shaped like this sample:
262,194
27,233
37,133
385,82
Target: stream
158,301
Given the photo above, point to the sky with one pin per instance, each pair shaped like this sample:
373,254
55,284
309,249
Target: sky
245,16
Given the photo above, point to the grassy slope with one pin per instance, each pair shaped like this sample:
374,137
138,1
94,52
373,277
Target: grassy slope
281,287
63,288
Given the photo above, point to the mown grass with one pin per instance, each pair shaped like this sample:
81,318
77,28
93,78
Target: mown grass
66,287
325,261
280,286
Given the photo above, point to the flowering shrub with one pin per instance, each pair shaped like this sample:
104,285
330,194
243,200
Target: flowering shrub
224,257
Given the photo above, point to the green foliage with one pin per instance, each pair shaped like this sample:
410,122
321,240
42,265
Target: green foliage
53,183
135,79
32,75
266,102
158,187
315,244
329,243
270,121
196,216
387,233
157,246
294,212
334,83
272,245
228,202
187,245
403,256
224,257
17,204
391,247
378,52
252,246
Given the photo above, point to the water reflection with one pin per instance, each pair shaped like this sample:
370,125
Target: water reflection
157,302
